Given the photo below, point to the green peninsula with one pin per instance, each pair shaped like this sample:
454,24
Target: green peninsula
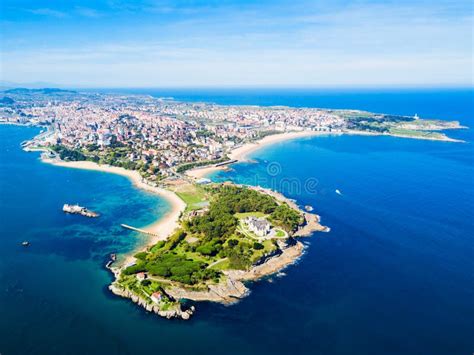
237,233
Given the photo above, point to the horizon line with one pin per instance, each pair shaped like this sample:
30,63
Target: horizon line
233,87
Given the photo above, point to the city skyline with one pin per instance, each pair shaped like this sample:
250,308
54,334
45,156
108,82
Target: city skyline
230,43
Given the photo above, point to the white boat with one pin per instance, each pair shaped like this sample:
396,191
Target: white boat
338,192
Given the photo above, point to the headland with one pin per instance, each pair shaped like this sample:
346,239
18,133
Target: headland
242,152
222,281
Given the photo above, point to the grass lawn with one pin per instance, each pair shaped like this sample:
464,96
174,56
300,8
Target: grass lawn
193,255
242,228
223,264
194,196
414,133
279,233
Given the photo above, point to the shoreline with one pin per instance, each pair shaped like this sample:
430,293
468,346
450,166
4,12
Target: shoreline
235,288
241,153
159,229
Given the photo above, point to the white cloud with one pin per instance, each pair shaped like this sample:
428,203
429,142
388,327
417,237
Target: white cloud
48,12
351,45
164,65
87,12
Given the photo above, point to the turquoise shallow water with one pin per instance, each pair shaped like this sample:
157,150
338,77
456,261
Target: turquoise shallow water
395,274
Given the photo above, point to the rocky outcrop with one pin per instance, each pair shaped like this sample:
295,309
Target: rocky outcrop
174,312
233,288
311,224
230,290
268,256
223,292
288,256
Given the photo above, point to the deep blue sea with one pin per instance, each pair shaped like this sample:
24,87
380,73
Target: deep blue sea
394,276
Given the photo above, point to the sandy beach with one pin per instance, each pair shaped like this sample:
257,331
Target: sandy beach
241,153
160,229
203,172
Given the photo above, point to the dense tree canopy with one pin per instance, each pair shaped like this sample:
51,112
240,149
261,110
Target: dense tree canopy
215,237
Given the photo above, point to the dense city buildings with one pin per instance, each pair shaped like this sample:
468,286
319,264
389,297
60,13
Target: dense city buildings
160,137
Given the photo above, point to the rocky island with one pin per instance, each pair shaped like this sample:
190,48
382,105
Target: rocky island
76,209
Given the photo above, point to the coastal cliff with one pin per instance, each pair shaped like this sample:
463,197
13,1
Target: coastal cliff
175,312
226,292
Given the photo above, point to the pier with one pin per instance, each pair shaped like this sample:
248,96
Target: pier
126,226
226,163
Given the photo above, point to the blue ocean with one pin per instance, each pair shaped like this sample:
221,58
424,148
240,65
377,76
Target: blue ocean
395,275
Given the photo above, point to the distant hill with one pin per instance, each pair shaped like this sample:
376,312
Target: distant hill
39,91
6,101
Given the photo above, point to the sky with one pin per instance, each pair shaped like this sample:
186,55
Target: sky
266,43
